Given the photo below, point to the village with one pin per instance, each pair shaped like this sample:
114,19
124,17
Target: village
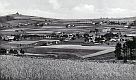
67,40
23,33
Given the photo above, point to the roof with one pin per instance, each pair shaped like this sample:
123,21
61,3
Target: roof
131,34
11,37
22,42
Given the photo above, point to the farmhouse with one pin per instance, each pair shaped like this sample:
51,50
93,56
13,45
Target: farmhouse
8,37
131,35
127,38
106,29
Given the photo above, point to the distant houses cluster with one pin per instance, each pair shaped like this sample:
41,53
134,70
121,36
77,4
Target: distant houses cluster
29,31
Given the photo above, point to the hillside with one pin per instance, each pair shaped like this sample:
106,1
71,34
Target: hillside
14,19
27,17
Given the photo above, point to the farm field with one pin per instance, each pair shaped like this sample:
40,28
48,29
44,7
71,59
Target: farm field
78,50
14,29
59,30
17,68
65,27
44,27
77,47
108,56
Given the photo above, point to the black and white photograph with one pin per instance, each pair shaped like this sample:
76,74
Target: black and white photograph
67,39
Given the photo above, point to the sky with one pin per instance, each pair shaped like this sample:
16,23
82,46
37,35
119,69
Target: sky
71,9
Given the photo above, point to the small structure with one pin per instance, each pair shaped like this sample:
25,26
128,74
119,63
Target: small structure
106,29
70,25
131,35
7,38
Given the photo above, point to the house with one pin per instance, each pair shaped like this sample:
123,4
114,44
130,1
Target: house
131,35
127,38
7,38
113,40
106,29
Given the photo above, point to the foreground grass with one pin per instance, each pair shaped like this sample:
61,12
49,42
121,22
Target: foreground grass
17,68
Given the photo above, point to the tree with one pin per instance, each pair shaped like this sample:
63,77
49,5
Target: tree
96,30
125,52
86,35
22,51
110,35
118,50
131,47
78,35
2,51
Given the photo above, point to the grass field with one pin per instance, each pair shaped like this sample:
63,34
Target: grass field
79,52
17,68
77,47
58,30
61,29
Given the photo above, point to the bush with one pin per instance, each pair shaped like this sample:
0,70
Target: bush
13,51
2,51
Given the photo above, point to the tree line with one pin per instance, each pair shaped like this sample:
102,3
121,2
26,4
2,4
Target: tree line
126,51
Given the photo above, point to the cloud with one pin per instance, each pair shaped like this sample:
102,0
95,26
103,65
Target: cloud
38,12
3,6
120,12
69,9
117,10
55,4
83,11
84,8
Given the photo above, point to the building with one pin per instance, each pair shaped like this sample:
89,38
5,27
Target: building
8,38
131,35
106,29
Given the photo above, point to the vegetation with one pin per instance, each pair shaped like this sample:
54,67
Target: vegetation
118,51
2,51
17,68
126,51
6,18
110,35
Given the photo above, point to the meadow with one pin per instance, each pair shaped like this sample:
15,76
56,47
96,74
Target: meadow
24,68
79,52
